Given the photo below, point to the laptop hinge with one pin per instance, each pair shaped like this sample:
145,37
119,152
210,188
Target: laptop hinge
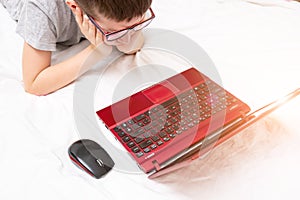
156,165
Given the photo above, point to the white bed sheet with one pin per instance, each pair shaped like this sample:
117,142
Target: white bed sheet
254,45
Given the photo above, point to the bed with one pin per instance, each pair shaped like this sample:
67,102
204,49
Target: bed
254,45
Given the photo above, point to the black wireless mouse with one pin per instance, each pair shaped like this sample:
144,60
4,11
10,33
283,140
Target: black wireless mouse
90,157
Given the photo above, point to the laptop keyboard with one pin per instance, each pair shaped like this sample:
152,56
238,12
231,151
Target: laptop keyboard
154,128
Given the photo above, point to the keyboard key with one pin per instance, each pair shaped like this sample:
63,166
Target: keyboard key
126,139
148,127
121,133
169,130
146,121
138,140
160,143
131,122
128,130
135,150
162,134
139,117
175,127
146,144
147,150
168,123
147,135
173,120
124,125
160,113
191,125
174,107
137,133
169,102
153,132
147,113
153,110
135,126
196,122
139,154
155,138
117,129
184,128
130,144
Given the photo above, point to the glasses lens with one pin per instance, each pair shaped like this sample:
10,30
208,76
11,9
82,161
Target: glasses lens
115,36
142,25
148,14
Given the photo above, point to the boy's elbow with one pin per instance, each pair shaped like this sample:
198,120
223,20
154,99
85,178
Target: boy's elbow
29,88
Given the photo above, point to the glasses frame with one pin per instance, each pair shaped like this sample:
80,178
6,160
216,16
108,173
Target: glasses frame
107,35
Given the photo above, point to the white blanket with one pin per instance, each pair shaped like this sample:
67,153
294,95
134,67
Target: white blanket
254,46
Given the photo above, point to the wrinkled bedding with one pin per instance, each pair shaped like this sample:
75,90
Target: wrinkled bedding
254,45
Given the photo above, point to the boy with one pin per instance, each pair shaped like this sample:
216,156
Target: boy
50,25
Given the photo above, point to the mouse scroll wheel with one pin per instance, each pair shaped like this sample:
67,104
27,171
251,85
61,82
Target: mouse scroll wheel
100,162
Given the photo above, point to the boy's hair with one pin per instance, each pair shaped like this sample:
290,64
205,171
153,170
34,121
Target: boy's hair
118,10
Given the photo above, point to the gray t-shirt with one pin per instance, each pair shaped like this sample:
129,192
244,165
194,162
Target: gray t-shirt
47,25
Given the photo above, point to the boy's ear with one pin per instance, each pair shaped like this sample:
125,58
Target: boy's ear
72,4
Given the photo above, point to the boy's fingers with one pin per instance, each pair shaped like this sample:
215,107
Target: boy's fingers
92,29
99,37
92,34
85,23
78,15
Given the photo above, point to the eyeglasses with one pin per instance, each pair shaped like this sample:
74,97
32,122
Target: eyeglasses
118,34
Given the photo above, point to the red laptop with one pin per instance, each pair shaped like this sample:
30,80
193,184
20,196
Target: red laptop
163,122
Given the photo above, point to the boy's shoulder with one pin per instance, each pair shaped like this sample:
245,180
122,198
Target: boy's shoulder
16,7
45,24
49,5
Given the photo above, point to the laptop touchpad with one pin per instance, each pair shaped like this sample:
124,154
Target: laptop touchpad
161,92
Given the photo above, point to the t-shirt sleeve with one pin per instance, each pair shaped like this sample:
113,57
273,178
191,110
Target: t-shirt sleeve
36,28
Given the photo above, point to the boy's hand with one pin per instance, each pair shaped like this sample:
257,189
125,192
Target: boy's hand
87,28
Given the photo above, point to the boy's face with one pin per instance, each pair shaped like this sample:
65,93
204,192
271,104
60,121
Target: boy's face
116,33
110,26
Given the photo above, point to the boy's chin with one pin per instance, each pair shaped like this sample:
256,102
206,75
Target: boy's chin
127,49
115,43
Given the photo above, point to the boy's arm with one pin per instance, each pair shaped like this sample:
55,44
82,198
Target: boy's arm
40,78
